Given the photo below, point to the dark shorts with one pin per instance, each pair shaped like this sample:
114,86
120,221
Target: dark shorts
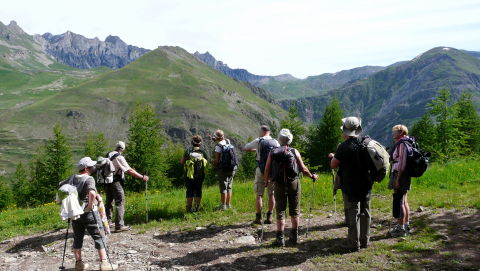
292,197
194,186
397,204
405,181
86,222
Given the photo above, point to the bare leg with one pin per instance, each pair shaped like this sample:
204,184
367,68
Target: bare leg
198,201
280,224
78,254
102,254
189,203
271,203
223,197
229,197
295,222
259,203
407,209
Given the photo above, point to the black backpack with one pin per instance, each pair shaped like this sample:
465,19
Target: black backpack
198,166
417,163
228,160
265,147
284,164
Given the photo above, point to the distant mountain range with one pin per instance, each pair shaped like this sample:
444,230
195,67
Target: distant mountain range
80,52
286,86
398,94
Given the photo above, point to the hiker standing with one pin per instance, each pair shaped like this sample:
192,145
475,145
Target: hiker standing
195,163
400,180
356,187
284,165
115,191
262,146
225,172
88,195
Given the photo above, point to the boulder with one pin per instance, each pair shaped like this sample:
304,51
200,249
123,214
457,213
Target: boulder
245,240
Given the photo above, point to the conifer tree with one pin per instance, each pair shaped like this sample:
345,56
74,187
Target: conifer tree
144,148
6,198
423,130
469,121
20,186
248,164
325,135
96,145
296,127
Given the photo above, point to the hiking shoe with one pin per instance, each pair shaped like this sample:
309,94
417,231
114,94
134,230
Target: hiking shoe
258,220
229,206
105,265
269,219
364,246
409,230
80,265
123,228
196,208
293,237
279,241
346,246
221,207
397,232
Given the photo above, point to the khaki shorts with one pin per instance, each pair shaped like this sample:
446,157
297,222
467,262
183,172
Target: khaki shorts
293,198
225,180
259,186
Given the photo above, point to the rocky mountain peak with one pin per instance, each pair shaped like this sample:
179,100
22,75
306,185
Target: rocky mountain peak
13,27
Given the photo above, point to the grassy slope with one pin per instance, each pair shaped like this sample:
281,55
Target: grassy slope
189,96
454,185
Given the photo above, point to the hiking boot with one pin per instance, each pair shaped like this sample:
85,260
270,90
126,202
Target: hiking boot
221,207
293,237
346,246
258,220
196,209
123,228
229,206
269,219
105,265
279,241
364,246
397,232
80,265
408,229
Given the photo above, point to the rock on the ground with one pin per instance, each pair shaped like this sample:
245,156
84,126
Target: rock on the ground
200,228
41,249
477,228
6,241
132,252
245,240
466,229
421,209
10,259
214,227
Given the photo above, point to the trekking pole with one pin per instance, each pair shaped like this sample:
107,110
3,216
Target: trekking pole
146,197
101,235
65,247
263,217
334,194
310,214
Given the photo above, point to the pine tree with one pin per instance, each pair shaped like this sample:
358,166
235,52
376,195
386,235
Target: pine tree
144,148
96,146
466,113
423,130
324,136
450,141
20,186
6,197
248,164
175,171
296,127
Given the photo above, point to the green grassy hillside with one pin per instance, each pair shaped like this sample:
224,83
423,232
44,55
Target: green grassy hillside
189,96
399,94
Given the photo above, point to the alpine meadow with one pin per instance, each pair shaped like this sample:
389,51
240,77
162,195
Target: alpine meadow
137,147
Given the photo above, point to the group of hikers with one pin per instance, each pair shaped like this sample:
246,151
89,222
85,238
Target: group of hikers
277,174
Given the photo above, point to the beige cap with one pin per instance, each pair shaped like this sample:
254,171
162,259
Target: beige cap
352,126
85,162
121,145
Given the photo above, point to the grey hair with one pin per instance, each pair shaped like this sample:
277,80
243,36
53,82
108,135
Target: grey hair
285,137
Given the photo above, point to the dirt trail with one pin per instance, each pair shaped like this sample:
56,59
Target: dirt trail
230,247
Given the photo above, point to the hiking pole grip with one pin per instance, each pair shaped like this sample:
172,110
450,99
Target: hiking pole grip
146,198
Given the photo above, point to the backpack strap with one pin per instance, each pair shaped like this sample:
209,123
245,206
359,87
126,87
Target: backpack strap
115,156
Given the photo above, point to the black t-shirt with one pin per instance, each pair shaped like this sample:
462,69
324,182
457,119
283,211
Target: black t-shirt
355,183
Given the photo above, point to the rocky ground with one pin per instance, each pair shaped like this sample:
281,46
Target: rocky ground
236,247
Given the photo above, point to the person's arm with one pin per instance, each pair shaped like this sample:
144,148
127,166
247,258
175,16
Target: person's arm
91,199
135,174
402,161
303,168
335,163
217,159
251,147
183,160
267,168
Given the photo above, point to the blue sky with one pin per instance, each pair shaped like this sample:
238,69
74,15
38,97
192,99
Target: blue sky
267,37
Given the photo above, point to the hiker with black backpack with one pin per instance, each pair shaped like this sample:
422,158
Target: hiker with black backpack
194,159
357,186
226,163
284,165
262,146
400,180
115,191
87,194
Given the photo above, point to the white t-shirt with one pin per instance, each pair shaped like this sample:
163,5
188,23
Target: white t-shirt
255,145
223,143
120,163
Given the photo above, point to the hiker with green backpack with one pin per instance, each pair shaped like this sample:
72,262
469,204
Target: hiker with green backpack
87,194
284,165
262,146
195,165
226,163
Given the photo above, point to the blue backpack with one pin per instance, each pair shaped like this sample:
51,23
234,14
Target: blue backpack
228,158
265,147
